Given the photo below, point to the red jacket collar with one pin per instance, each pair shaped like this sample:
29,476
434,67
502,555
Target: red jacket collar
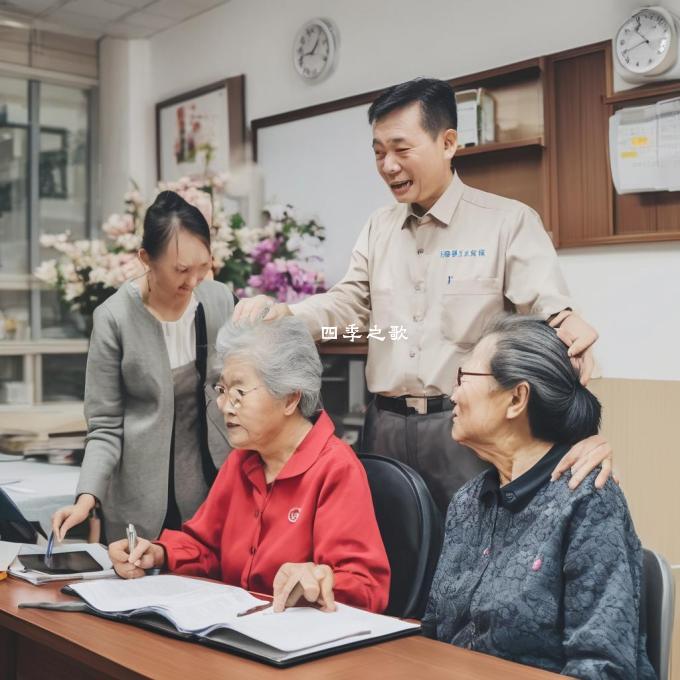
305,455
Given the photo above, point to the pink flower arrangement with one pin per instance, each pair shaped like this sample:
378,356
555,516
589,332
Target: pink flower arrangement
280,259
284,263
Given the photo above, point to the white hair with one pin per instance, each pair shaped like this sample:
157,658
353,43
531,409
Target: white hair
282,352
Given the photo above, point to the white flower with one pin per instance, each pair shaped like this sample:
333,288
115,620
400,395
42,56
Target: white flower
248,238
279,211
221,253
129,242
48,272
73,289
117,225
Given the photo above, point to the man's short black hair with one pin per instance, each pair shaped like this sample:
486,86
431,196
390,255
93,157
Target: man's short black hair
437,103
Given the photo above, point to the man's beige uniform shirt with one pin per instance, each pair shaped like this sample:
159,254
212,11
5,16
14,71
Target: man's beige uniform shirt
440,277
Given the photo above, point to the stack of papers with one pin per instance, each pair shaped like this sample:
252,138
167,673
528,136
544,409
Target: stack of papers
33,434
37,578
208,611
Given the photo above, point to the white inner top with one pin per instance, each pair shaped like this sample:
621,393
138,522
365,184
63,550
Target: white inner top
180,335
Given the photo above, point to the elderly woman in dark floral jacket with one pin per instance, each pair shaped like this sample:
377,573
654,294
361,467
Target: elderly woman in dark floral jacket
530,570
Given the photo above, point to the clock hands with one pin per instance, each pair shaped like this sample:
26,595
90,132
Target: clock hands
637,30
313,50
630,49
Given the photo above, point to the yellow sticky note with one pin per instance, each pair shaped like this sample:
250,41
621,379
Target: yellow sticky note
640,141
629,154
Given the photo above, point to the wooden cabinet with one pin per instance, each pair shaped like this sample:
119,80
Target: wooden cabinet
552,149
516,164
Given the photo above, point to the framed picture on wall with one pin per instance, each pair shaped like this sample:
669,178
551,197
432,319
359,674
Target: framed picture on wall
199,129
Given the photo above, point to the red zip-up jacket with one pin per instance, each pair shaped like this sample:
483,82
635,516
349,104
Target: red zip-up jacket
318,509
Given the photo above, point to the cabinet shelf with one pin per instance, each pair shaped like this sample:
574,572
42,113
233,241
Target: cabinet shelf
335,347
66,346
499,146
644,92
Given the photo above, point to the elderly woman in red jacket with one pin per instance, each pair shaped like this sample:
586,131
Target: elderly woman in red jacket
290,512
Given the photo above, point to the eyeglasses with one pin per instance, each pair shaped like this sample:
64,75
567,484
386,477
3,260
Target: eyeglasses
461,373
235,395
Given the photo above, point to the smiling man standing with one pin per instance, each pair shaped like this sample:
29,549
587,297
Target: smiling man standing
439,263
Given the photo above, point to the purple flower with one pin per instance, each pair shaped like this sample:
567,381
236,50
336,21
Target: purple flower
264,251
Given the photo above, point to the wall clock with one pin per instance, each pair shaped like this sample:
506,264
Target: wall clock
315,50
645,47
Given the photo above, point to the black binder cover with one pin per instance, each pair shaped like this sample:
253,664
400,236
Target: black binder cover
236,643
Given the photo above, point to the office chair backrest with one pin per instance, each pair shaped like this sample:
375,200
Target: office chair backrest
411,529
656,610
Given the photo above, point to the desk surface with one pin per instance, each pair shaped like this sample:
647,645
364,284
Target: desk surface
119,651
38,489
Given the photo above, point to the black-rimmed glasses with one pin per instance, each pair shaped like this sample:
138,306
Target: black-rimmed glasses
461,373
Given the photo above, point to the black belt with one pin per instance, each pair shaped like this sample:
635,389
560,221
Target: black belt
400,405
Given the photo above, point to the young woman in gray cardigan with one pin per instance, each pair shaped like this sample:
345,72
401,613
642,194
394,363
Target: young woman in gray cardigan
155,436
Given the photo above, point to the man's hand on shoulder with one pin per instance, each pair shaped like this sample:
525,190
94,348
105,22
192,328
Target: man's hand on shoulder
579,337
259,308
583,458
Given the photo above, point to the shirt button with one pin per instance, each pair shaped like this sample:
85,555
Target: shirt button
252,550
257,513
419,286
417,318
412,353
421,251
487,552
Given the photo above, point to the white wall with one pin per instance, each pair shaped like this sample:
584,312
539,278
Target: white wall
126,125
629,292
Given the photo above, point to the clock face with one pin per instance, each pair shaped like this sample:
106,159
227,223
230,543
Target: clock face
645,42
314,50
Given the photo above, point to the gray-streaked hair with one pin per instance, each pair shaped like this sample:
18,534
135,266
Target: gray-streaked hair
282,352
527,349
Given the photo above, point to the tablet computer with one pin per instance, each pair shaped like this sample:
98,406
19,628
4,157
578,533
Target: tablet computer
77,562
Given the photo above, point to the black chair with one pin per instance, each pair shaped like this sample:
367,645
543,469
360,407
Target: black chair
656,610
411,528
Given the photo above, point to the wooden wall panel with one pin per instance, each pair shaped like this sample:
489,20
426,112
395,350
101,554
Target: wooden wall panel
655,211
515,173
580,136
640,421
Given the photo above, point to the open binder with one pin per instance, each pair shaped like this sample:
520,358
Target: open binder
206,612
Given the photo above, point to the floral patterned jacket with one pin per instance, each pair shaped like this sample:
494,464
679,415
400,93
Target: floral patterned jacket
540,574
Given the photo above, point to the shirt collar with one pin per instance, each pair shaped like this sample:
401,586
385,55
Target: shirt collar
306,454
516,495
445,206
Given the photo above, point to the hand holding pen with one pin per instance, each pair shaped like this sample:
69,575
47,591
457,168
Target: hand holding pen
131,556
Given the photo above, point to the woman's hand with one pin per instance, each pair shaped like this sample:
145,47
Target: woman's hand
72,515
583,458
146,555
315,583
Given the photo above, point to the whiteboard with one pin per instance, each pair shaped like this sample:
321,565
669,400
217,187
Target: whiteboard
324,166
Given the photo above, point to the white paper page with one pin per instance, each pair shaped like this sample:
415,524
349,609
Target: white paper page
302,628
191,604
634,150
668,114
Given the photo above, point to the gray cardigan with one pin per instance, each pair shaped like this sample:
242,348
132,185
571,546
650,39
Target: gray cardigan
129,407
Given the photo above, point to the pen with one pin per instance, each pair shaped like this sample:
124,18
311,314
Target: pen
131,534
256,608
48,550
